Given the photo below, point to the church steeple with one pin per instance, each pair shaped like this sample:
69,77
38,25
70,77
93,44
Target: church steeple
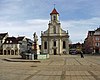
54,11
54,15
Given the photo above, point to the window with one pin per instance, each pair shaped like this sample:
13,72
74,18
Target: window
54,17
54,43
4,52
64,44
12,52
97,38
97,44
7,41
10,41
45,45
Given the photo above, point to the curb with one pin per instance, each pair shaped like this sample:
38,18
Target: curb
12,60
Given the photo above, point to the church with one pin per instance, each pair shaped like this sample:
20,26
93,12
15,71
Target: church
54,40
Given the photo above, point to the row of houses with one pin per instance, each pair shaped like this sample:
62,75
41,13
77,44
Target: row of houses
14,45
92,42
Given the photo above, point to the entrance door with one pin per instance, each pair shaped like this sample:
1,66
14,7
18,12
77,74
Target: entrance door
97,50
55,52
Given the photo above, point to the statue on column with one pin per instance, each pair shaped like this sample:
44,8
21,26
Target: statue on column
35,37
36,49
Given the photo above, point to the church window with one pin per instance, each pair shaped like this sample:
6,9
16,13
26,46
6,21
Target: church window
64,44
45,45
54,43
54,17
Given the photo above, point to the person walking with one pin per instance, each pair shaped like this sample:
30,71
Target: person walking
81,53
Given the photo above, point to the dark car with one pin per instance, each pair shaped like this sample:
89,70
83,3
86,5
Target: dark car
73,52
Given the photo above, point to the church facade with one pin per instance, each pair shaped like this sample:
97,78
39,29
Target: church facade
54,40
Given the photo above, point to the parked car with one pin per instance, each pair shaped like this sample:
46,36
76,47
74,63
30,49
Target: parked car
73,52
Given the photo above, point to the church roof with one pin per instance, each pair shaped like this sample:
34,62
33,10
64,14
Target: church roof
54,11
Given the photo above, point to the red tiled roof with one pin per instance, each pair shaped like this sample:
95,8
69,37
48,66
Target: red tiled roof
54,11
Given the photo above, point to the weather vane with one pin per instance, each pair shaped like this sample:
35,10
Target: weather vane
54,5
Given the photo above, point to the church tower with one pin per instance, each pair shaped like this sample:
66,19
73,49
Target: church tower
54,40
54,15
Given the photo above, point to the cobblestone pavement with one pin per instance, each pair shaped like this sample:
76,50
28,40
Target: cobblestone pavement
65,67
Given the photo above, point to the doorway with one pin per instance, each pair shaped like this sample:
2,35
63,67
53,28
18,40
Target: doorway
97,50
55,51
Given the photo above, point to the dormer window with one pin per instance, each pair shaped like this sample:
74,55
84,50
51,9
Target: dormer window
10,41
7,41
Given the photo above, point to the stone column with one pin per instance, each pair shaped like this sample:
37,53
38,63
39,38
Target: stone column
67,46
3,52
48,48
59,46
42,46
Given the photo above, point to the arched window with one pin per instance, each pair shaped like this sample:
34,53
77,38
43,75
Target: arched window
4,52
8,52
12,52
54,17
45,45
64,44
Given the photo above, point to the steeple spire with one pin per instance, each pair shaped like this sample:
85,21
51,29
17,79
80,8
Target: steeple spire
54,11
54,15
54,5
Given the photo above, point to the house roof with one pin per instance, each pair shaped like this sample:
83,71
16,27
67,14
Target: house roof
20,38
2,35
54,11
11,40
98,29
91,32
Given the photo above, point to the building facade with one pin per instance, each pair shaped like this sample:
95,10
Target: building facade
54,40
3,36
16,45
92,42
11,46
96,40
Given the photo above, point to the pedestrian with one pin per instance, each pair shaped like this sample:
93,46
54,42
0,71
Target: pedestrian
81,53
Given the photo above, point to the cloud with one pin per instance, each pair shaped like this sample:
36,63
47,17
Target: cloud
26,27
77,29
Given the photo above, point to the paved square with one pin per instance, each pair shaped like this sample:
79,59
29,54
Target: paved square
65,67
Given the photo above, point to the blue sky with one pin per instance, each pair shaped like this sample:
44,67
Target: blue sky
24,17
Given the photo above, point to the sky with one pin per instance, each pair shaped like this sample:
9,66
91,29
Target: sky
24,17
